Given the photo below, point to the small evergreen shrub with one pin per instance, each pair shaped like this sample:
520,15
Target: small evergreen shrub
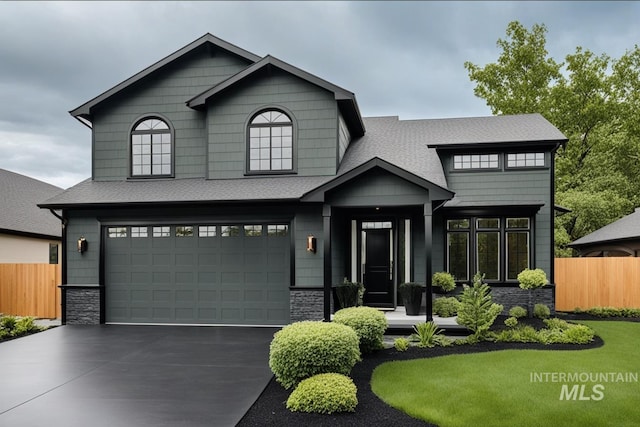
444,281
446,307
303,349
522,333
477,311
541,311
518,312
369,324
532,279
324,394
511,322
401,344
579,334
556,323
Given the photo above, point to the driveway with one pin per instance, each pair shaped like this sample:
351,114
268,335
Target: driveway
135,376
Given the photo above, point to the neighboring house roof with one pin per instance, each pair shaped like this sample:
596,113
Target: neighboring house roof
625,228
19,212
346,100
489,131
83,112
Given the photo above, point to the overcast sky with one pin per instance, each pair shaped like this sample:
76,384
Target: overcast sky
399,58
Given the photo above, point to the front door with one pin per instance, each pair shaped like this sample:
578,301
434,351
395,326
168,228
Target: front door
377,264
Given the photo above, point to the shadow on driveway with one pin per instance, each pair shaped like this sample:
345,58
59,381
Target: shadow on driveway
112,375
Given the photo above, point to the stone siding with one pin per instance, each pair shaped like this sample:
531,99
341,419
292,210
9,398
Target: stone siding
82,306
306,304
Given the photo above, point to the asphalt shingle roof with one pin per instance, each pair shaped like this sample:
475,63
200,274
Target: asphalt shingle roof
407,144
19,212
627,227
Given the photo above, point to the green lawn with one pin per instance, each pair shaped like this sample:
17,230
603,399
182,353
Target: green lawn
497,388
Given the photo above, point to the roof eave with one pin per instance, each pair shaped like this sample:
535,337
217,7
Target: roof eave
497,144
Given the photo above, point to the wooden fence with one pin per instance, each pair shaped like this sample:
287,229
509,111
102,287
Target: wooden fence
597,282
30,290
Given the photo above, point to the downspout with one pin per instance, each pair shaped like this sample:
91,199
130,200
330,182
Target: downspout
63,278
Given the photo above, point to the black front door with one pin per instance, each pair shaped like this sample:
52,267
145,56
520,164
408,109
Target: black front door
378,274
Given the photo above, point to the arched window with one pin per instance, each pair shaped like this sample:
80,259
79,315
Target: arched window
270,145
151,148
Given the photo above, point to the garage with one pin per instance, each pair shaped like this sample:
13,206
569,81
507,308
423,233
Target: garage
233,274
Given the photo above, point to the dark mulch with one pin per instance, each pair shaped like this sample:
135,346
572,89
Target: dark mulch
270,409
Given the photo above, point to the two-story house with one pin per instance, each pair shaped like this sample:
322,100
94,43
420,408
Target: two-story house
229,188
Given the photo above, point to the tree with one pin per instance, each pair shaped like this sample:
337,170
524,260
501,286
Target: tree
594,100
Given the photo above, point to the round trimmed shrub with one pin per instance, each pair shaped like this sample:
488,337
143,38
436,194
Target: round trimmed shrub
511,322
324,394
518,312
369,324
446,307
541,311
401,344
444,281
308,348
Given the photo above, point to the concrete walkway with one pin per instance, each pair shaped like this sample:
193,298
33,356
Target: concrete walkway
110,375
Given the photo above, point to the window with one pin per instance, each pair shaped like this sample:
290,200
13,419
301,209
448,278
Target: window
230,230
477,244
184,231
277,230
139,232
475,161
253,230
151,148
116,232
207,231
270,142
164,231
525,160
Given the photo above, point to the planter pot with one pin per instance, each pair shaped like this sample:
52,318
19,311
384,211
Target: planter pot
412,300
344,296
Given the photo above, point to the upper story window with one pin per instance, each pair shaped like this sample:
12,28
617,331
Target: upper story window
475,161
525,160
270,142
151,148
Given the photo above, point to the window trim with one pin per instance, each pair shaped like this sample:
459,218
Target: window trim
172,134
294,142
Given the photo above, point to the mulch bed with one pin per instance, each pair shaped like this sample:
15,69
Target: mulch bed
270,409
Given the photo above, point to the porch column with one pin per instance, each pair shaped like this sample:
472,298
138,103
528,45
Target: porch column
428,241
326,244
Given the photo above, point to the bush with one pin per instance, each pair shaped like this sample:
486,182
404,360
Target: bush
444,281
446,307
532,279
12,326
541,311
557,332
369,324
556,323
477,311
349,294
427,334
610,312
324,394
518,312
401,344
523,333
579,334
511,321
303,349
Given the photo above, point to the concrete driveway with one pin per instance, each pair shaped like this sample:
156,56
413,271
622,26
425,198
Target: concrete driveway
135,376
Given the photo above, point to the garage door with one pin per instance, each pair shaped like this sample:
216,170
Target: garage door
197,274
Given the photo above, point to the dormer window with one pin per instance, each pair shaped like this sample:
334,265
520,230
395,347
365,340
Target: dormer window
151,148
270,142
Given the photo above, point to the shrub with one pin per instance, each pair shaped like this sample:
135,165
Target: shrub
556,323
532,279
541,311
24,326
401,344
8,323
579,334
610,312
446,307
303,349
511,321
477,311
369,324
522,333
518,312
427,334
324,394
444,281
349,294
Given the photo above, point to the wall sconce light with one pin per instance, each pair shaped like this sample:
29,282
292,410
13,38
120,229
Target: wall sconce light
82,245
311,243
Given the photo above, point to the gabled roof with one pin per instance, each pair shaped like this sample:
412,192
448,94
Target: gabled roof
19,213
625,228
523,129
83,112
346,100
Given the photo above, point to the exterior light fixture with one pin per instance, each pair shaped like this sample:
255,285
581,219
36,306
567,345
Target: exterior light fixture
82,245
311,243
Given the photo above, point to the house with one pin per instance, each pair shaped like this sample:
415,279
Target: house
229,188
618,239
28,235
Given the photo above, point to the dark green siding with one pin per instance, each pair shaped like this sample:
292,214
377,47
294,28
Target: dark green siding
83,269
162,93
314,112
309,266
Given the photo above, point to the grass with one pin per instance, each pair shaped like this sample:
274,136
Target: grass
496,388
